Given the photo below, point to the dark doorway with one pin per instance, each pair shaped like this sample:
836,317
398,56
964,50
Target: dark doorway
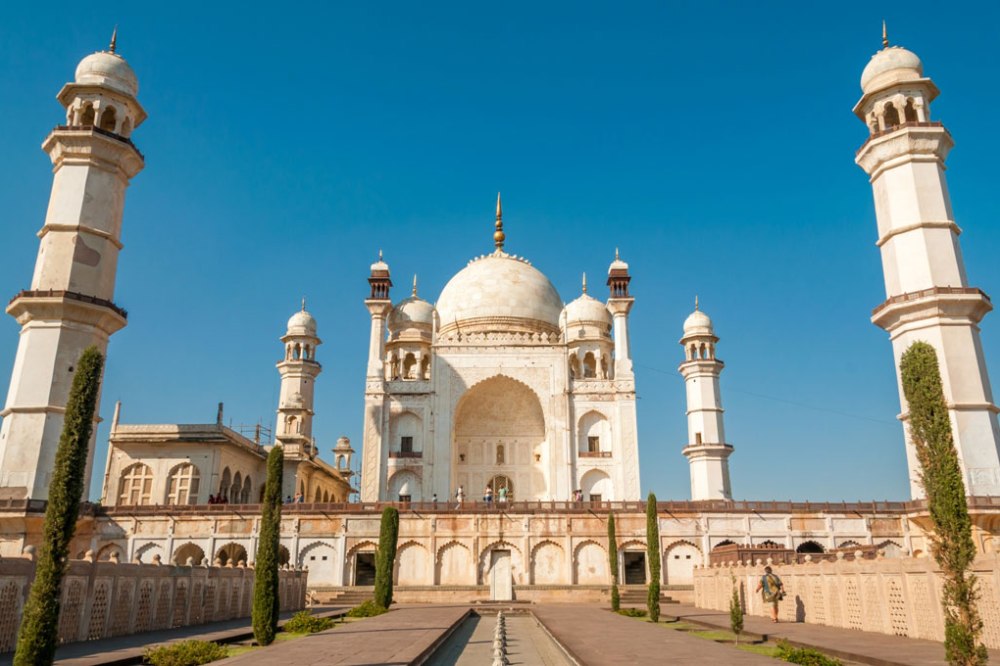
635,568
364,569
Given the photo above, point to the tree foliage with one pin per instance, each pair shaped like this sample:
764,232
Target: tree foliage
653,553
38,635
613,562
941,478
386,556
266,603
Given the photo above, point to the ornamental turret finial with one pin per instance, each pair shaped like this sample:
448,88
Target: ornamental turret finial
498,235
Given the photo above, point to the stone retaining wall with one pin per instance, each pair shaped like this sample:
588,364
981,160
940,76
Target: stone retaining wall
106,599
900,596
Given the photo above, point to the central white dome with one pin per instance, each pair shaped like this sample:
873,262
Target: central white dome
499,292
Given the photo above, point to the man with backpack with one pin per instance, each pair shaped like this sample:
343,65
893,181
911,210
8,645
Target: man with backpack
773,590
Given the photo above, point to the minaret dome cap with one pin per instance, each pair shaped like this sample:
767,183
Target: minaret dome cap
108,69
698,323
302,323
892,64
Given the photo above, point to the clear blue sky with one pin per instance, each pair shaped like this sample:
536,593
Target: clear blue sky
712,142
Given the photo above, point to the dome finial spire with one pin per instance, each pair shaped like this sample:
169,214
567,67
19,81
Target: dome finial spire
585,282
885,36
696,302
414,285
114,40
303,303
498,235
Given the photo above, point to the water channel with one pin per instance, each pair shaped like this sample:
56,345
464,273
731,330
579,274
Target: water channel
528,644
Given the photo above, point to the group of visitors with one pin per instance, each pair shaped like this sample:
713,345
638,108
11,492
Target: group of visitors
218,499
501,495
298,499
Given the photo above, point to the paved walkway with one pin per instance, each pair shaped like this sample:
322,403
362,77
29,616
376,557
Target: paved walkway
597,637
861,646
399,637
129,649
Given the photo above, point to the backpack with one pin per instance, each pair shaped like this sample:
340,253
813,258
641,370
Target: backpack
773,588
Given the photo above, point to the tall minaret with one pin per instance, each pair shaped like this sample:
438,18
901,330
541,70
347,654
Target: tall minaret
298,371
620,304
928,295
379,305
70,305
707,451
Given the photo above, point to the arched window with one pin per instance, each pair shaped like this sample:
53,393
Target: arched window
810,547
136,486
425,367
910,111
326,495
319,496
227,479
182,487
297,353
589,366
890,116
574,366
236,489
409,366
500,481
500,454
126,127
246,494
694,352
108,119
87,117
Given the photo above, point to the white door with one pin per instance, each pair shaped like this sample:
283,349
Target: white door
501,576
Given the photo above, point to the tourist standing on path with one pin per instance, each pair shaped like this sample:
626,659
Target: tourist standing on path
502,495
772,589
460,496
488,497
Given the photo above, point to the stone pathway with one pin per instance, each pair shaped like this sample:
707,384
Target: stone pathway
597,637
861,646
401,636
129,649
527,644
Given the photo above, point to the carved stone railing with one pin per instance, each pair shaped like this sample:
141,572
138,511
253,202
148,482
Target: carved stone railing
595,454
894,128
103,132
59,293
406,454
933,291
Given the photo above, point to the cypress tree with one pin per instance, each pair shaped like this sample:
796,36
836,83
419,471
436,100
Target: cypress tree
613,562
653,553
386,556
735,610
266,603
38,635
941,478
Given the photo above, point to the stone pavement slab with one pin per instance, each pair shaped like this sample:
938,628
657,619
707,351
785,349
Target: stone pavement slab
861,646
403,636
597,637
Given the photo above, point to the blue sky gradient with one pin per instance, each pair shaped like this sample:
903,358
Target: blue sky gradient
712,142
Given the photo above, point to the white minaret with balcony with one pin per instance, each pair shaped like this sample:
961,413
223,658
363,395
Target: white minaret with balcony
707,451
299,370
70,304
928,295
379,306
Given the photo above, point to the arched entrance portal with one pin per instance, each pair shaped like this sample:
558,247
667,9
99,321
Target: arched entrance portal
499,482
500,435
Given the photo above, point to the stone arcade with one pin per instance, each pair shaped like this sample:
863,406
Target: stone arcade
498,384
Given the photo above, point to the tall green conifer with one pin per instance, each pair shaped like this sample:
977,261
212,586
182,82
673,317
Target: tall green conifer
613,562
653,553
266,602
39,632
941,478
386,556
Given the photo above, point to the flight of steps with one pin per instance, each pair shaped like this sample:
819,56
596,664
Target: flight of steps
634,595
341,596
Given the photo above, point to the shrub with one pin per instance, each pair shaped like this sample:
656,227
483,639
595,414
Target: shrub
653,553
305,623
185,653
386,556
941,478
735,611
266,604
36,640
805,656
366,609
613,562
632,612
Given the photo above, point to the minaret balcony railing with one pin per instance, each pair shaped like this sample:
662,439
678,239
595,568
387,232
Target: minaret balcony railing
890,130
103,132
933,291
595,454
58,293
406,454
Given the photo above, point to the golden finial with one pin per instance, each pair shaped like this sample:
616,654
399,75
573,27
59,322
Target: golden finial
303,303
498,235
585,283
114,40
885,36
414,285
696,302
